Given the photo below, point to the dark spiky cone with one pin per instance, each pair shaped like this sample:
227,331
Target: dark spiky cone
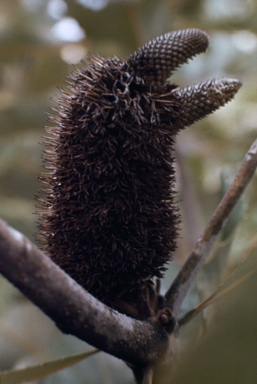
108,215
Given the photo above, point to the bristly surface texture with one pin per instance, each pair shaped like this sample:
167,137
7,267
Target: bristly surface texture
108,212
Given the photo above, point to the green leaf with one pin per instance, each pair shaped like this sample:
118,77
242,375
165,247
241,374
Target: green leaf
38,371
227,352
238,276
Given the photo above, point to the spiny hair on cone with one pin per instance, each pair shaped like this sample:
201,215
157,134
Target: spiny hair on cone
108,215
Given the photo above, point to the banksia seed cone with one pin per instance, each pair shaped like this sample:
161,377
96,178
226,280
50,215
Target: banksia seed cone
108,214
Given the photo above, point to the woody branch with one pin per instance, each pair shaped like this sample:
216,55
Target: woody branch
80,314
68,304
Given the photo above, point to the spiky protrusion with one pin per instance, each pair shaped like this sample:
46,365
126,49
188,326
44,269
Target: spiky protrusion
108,217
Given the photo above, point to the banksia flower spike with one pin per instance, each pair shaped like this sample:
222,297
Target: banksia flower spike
108,213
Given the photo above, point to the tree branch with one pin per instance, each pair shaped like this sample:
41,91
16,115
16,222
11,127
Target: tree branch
183,281
72,308
77,312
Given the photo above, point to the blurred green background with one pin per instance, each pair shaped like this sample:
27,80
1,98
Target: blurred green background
40,40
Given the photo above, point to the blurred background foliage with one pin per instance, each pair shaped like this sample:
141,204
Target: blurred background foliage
39,42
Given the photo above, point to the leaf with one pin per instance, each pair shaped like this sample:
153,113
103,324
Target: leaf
38,371
240,274
227,353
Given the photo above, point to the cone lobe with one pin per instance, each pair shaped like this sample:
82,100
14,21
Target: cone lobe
156,60
202,99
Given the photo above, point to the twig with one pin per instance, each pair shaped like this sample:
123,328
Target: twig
73,309
183,281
